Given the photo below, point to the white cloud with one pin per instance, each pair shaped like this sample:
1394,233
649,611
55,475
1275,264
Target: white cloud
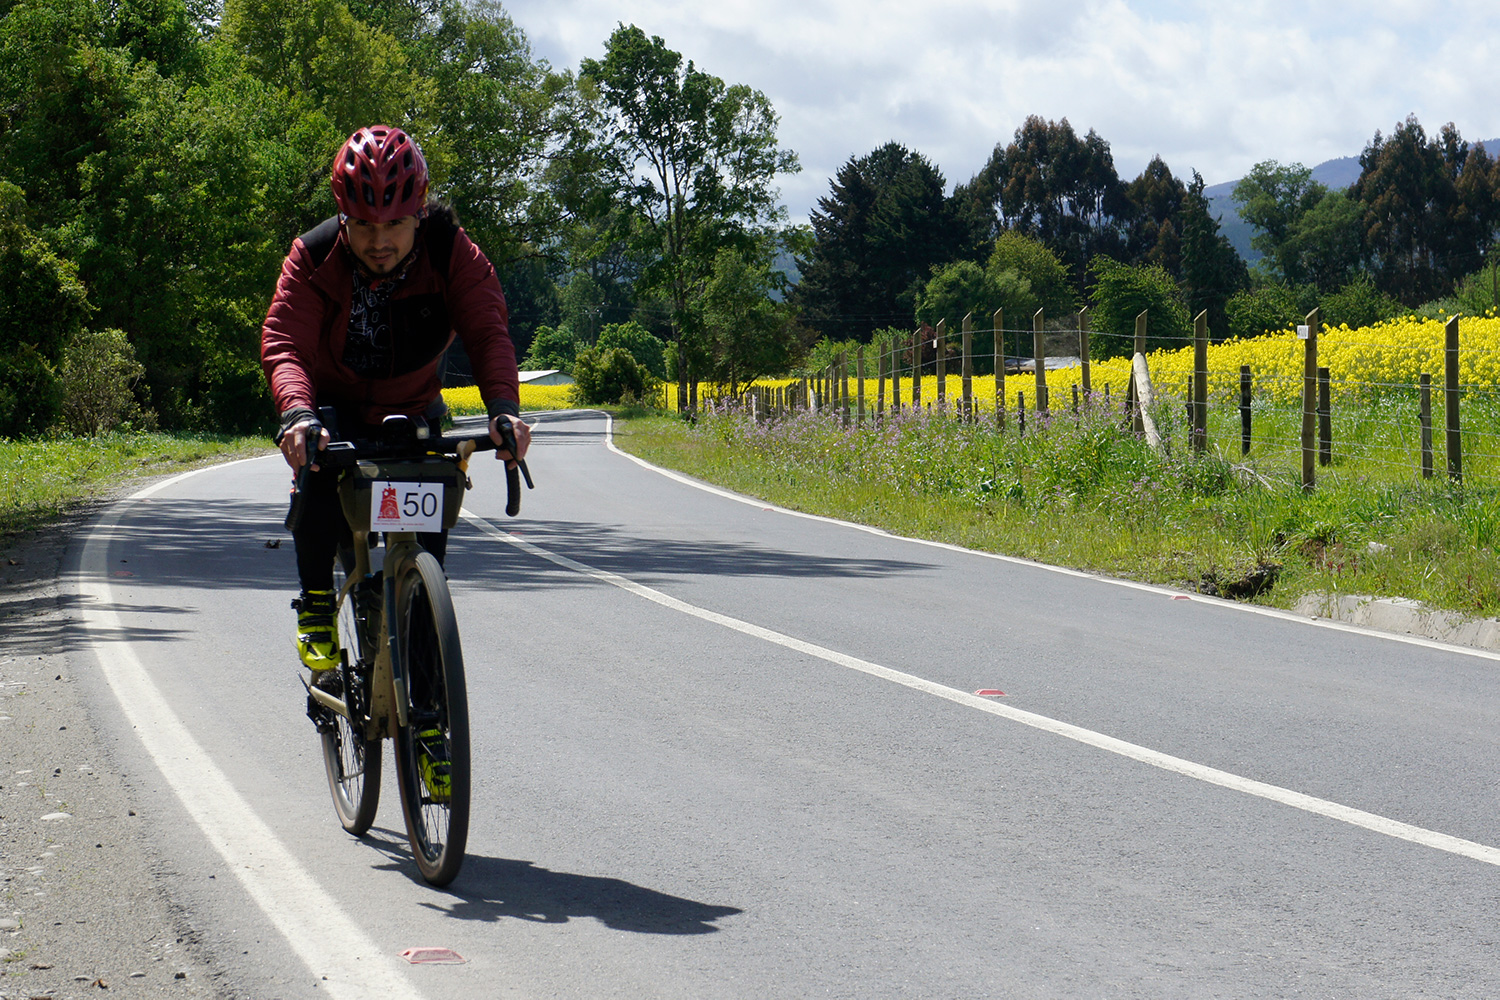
1207,84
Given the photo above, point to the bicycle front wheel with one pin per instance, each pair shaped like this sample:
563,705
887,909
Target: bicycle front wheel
352,762
432,749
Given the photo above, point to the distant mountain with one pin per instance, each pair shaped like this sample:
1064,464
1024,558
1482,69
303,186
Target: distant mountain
1336,174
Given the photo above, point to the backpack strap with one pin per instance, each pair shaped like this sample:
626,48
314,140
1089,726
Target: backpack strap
320,240
439,229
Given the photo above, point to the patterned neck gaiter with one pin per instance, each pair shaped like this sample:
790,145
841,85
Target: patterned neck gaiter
369,350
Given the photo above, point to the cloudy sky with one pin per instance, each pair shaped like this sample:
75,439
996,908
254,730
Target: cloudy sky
1215,85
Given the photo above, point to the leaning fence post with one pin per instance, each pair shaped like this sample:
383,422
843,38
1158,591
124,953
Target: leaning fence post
1039,356
1309,333
1450,398
1244,409
968,367
1424,414
999,338
1200,381
879,385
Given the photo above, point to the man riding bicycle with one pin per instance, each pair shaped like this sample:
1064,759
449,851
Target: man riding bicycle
367,305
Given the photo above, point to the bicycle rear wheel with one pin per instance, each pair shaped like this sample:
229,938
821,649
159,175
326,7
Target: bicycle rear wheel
352,762
432,750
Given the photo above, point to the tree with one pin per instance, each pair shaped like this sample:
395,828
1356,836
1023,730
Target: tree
1123,291
1212,270
1157,199
1268,306
748,335
551,349
1273,198
704,156
1060,189
642,344
610,375
1430,209
1033,261
963,287
876,238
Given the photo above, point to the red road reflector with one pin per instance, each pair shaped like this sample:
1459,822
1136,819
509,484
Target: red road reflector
122,572
1181,597
990,693
433,956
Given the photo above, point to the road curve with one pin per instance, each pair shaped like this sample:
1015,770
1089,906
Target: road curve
727,751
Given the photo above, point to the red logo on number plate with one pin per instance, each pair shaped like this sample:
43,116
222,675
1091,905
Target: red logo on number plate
388,509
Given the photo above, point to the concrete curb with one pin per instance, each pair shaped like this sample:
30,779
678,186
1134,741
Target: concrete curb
1398,614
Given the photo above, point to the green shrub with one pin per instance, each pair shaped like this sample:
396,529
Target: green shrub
644,346
99,372
610,375
30,396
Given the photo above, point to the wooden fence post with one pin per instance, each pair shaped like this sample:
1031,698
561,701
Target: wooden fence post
968,367
1039,357
1325,419
1021,413
1450,399
1244,409
1200,382
1424,414
879,386
895,377
916,369
1083,354
1310,398
940,345
859,381
1132,395
999,338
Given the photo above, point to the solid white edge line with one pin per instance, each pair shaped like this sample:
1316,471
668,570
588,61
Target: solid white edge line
1088,737
327,941
1254,609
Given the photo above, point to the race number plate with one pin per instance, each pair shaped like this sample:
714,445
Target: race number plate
406,507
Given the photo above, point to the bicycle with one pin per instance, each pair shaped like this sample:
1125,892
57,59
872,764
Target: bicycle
401,674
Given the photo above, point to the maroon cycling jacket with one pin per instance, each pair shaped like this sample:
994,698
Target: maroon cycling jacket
303,339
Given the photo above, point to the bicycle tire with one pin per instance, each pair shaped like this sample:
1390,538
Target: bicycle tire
437,701
351,761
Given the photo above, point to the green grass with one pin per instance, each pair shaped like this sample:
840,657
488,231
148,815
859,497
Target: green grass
1083,494
42,480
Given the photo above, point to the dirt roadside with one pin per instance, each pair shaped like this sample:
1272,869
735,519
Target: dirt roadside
85,905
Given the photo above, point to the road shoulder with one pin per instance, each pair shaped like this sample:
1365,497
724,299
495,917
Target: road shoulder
85,902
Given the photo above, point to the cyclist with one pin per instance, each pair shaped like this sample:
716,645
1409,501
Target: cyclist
367,304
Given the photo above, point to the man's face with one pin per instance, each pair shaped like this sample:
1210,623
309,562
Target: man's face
380,246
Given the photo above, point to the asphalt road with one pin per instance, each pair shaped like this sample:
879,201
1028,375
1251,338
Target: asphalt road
728,751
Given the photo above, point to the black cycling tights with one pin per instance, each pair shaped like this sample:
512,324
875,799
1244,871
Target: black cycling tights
323,528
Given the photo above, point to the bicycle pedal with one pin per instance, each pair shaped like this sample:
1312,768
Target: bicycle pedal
321,717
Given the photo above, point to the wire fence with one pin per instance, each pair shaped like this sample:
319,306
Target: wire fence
1410,397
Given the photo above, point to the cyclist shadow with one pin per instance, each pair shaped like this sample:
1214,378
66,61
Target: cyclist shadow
492,889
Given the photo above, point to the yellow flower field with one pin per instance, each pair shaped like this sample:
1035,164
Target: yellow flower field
533,397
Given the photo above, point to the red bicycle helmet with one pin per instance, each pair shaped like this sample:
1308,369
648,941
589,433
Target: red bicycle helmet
380,175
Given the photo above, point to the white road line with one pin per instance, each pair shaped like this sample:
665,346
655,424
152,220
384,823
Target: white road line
323,937
1187,768
1254,609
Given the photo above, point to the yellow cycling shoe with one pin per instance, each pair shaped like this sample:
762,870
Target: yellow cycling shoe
317,631
436,771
